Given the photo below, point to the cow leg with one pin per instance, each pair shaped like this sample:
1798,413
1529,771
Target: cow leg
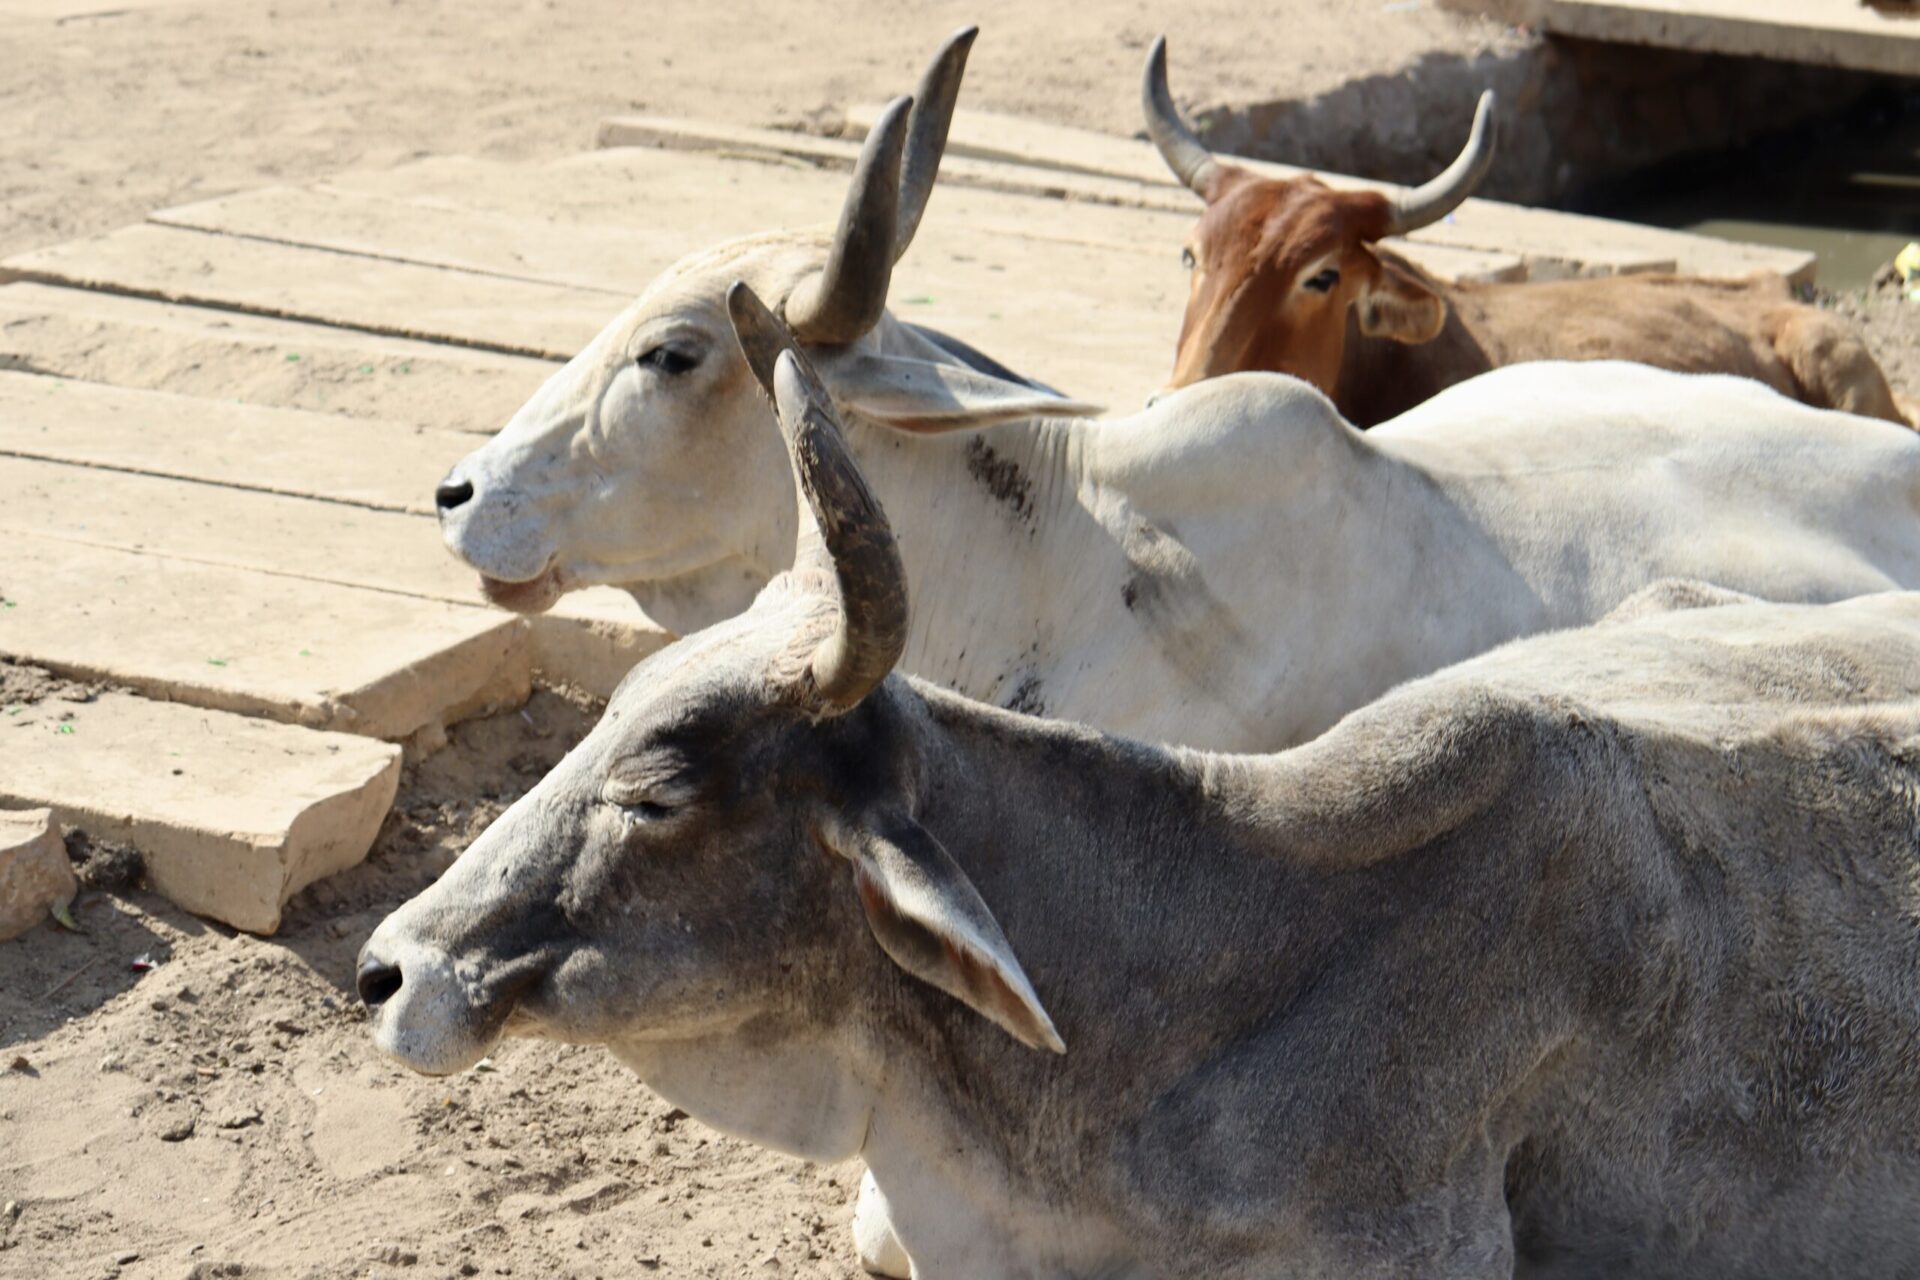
875,1244
1831,366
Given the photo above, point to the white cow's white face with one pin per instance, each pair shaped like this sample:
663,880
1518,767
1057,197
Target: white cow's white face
649,461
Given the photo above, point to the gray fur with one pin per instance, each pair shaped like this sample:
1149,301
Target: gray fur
1596,955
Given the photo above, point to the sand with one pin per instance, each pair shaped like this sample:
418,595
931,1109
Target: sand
177,1101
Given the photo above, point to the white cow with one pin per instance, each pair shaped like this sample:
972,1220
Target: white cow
1233,568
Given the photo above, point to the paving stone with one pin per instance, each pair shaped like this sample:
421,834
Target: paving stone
233,814
35,875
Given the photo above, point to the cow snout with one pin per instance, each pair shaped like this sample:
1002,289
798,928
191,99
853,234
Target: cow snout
452,493
378,981
425,1012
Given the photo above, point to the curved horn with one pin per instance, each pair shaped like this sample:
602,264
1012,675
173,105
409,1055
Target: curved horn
854,542
927,133
1184,153
1433,200
848,296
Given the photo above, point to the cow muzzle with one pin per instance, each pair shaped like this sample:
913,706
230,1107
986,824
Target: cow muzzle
430,1012
495,530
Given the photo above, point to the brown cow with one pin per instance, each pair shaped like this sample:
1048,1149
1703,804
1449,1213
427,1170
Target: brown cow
1289,275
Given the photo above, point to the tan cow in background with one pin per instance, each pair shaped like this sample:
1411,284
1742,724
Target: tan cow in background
1289,276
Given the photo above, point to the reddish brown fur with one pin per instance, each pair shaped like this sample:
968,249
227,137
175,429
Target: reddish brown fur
1387,336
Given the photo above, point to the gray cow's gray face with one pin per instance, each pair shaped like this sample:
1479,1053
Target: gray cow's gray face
663,881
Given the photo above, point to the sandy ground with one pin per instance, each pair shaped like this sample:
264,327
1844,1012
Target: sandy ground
182,1103
155,102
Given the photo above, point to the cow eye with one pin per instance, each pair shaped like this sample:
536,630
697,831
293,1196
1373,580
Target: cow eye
1324,282
1187,259
668,359
641,812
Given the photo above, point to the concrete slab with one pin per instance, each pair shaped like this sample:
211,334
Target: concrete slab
373,294
590,640
35,876
383,465
313,653
227,356
234,815
215,525
1832,33
1116,349
675,133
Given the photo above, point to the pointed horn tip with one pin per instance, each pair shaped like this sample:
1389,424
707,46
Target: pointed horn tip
962,38
1156,70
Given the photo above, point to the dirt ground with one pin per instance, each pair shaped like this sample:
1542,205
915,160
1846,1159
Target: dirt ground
178,1102
118,107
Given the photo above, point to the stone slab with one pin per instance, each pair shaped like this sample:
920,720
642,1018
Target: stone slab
228,356
1833,33
378,295
589,640
592,638
231,527
234,815
1116,349
1560,238
383,465
291,649
959,167
35,876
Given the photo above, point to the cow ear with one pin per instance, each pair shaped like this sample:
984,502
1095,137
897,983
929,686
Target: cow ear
932,397
1400,306
930,920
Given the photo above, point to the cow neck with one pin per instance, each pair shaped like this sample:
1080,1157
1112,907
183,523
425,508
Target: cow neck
986,521
1102,860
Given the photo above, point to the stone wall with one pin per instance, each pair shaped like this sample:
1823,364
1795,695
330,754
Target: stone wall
1573,113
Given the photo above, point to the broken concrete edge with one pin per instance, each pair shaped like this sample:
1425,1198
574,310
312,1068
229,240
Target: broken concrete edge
36,878
245,879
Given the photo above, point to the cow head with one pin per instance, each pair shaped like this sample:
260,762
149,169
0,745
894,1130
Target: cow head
702,862
644,462
1279,266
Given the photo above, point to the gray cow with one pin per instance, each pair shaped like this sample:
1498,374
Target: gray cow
1598,954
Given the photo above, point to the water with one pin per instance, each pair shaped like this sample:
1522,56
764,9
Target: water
1847,188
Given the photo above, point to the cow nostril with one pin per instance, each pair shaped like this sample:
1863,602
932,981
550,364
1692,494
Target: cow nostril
378,981
449,496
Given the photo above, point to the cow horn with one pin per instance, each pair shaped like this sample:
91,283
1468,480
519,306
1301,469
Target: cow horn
1189,159
927,133
849,295
1433,200
854,542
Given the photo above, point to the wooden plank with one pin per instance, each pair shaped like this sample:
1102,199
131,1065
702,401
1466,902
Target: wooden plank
306,652
386,466
224,355
1833,33
233,815
1565,243
378,295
